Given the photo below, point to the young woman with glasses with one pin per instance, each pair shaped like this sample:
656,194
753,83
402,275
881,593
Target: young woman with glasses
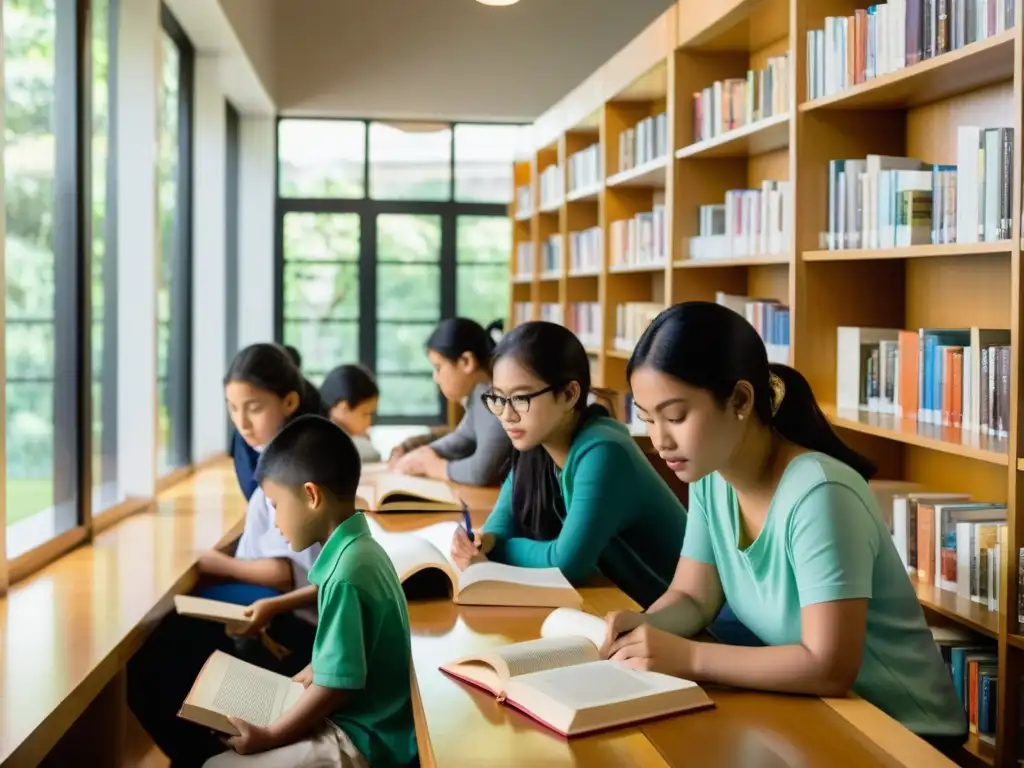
581,496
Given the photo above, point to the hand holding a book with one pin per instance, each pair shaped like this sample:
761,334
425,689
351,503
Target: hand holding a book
465,552
305,676
251,739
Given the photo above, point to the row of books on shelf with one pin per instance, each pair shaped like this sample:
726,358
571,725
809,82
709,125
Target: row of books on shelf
751,222
887,37
585,168
551,312
522,312
770,319
551,186
523,202
585,250
973,663
946,377
524,260
585,321
551,255
641,240
631,320
644,142
728,104
886,202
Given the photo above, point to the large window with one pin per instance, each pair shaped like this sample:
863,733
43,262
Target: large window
174,261
385,228
103,225
41,265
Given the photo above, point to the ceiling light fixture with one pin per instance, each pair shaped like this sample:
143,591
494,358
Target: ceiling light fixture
497,2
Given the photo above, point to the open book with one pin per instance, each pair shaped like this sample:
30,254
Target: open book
393,492
211,610
420,557
561,681
227,686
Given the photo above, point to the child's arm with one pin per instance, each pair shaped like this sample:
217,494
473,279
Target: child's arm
314,706
272,572
262,611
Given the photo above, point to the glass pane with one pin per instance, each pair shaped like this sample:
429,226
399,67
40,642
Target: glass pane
483,239
408,237
408,292
481,292
321,158
408,396
410,161
40,504
321,237
173,418
483,162
104,333
321,291
402,348
323,345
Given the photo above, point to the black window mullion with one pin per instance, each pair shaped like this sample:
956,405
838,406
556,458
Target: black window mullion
368,290
72,376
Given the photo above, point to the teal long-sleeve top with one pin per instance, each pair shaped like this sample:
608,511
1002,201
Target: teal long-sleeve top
621,520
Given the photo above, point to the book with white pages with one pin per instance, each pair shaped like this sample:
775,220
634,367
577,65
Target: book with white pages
426,552
561,681
386,492
229,687
211,610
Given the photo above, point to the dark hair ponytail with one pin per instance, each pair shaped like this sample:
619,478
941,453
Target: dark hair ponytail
554,355
455,336
711,347
270,367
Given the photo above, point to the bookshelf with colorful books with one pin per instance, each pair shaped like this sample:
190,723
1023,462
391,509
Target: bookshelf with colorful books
851,186
523,259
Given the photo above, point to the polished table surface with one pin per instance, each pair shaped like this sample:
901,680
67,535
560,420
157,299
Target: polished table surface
67,630
458,725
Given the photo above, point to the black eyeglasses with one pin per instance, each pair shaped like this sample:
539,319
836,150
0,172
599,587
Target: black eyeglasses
520,403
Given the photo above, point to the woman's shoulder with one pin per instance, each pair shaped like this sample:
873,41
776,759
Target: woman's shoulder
811,472
602,430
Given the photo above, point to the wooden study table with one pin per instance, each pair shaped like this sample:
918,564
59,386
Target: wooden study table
457,725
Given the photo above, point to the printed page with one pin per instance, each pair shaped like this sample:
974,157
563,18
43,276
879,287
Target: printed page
599,684
409,553
440,535
549,578
236,688
214,610
545,654
569,622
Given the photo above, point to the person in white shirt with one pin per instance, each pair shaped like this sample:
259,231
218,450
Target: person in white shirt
350,396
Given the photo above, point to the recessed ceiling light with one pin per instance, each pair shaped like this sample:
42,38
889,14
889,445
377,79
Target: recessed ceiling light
497,2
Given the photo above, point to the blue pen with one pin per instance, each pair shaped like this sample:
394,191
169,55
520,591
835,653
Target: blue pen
467,521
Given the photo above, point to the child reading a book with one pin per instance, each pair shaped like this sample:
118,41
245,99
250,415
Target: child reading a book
581,497
264,391
357,707
784,527
477,452
350,396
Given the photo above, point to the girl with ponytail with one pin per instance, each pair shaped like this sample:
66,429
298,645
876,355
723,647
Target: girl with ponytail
783,526
477,451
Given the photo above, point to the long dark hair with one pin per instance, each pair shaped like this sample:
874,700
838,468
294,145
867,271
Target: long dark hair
554,355
455,336
270,367
351,384
711,347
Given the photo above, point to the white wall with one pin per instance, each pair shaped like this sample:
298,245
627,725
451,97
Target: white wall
209,333
256,230
139,40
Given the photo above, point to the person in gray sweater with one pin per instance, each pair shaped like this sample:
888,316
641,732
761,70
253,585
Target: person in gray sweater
477,451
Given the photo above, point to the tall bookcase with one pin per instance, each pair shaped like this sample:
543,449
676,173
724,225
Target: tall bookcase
914,111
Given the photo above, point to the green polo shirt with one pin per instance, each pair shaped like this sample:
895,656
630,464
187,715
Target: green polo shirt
362,644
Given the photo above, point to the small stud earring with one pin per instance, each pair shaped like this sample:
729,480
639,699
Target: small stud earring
739,416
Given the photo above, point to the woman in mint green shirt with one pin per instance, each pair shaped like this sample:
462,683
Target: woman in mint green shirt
581,496
783,526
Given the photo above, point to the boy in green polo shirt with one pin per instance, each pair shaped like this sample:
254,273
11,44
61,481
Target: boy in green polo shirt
357,708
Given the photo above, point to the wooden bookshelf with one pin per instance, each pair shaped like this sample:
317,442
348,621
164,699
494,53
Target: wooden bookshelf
914,112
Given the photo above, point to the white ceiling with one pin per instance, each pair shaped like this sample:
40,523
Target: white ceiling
422,59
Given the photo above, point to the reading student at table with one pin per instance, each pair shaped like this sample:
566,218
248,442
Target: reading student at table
356,710
784,527
581,497
264,391
350,397
477,451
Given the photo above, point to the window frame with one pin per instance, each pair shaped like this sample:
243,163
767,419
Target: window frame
368,210
179,352
232,178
